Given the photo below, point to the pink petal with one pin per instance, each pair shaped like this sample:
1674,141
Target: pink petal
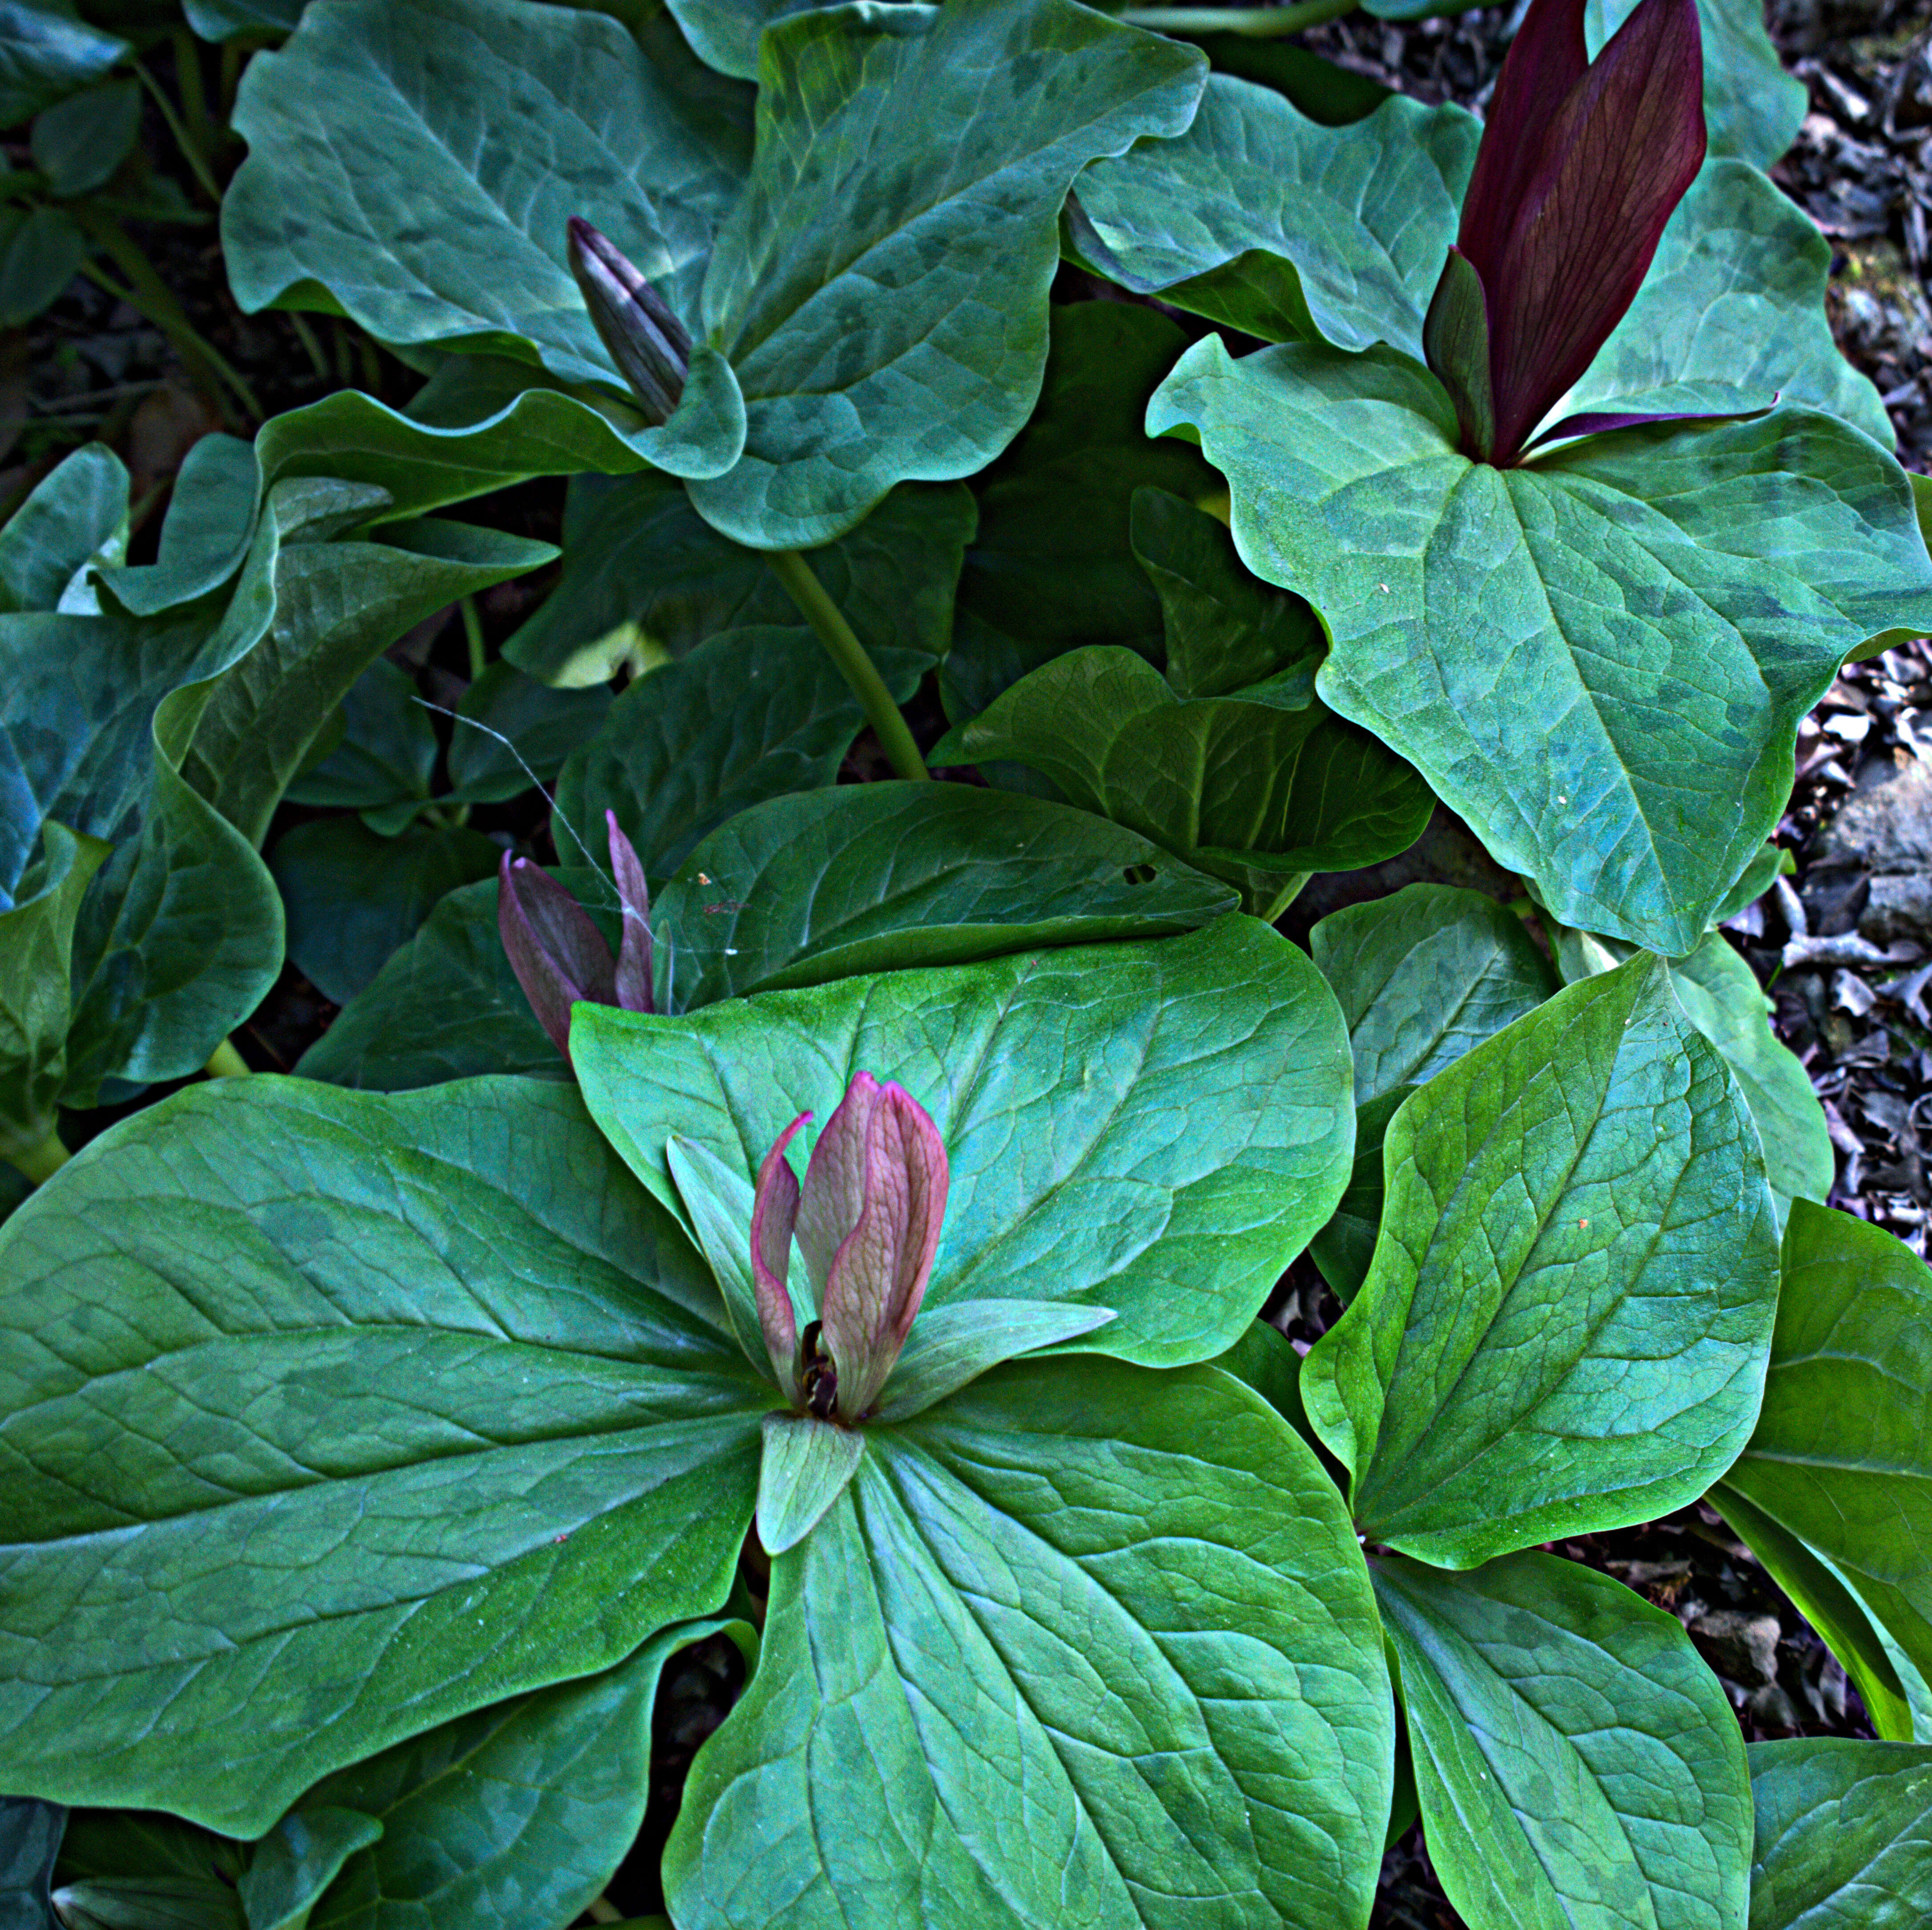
634,950
774,1214
835,1181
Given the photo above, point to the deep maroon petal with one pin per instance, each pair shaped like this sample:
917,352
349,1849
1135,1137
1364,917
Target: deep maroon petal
1545,61
558,954
1616,160
633,948
774,1214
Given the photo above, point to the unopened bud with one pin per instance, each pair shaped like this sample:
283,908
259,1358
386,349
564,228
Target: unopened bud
646,341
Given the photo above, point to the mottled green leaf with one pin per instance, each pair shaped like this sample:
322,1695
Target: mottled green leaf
40,252
511,732
1841,1458
1599,657
77,513
79,143
1566,1324
385,760
1083,1646
298,1859
1577,1763
868,877
1844,1836
410,1404
1155,1128
807,1464
46,51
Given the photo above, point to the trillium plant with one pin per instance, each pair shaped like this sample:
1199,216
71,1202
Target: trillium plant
754,1218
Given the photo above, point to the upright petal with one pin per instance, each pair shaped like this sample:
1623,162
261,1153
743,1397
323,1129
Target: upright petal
647,342
835,1181
1545,61
558,956
1616,160
774,1214
633,948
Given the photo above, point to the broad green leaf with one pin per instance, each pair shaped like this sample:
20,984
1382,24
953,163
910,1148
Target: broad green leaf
298,1859
1598,659
338,604
1565,1326
1844,1836
637,553
1578,1765
30,1839
445,1005
1731,315
351,897
1259,217
1841,1458
518,1814
124,1870
1083,1646
510,733
724,34
212,523
385,760
881,288
1246,791
77,513
1155,1128
875,877
718,1204
79,142
951,1346
36,1007
1752,106
438,1356
47,52
415,169
1052,566
40,252
1228,633
1344,1249
222,20
807,1464
1424,975
750,715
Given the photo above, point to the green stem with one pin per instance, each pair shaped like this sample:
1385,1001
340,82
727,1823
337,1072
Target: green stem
1260,23
844,649
1284,898
225,1062
192,154
311,347
473,635
42,1162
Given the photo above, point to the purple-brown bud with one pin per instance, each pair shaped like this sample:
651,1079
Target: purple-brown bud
559,957
647,342
867,1220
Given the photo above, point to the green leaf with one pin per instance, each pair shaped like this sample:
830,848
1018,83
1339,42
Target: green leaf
1839,1459
1155,1128
512,733
445,1005
40,252
1244,789
1082,1646
1752,106
1598,659
36,1008
352,896
122,1870
1053,566
222,20
950,1347
297,1860
77,513
338,604
1565,1326
416,172
1228,633
30,1839
1577,1763
438,1356
1344,1249
724,34
518,1814
637,553
750,715
79,142
1423,976
46,53
1844,1836
1260,218
1731,315
807,1465
870,878
385,759
881,288
718,1204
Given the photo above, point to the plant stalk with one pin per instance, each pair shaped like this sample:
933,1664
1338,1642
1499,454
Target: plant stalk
225,1062
844,649
189,148
42,1162
473,636
1259,23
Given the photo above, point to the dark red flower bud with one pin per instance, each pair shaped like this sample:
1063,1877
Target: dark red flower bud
647,342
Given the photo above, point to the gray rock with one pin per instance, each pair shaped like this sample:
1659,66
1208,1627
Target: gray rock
1885,829
1743,1649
